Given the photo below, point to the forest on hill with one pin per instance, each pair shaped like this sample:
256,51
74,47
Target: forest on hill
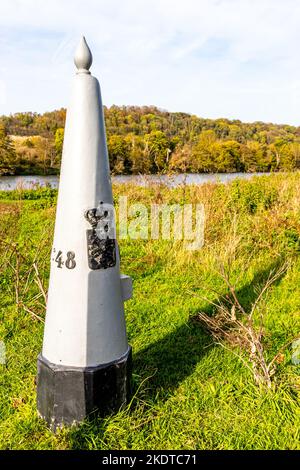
150,140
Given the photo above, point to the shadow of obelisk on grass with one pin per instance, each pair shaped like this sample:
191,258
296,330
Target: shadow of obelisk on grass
168,361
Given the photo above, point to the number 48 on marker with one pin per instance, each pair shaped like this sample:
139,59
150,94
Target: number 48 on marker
70,262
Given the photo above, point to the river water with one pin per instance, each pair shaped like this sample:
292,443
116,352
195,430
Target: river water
30,182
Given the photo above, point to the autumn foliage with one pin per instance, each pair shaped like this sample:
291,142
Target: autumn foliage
149,140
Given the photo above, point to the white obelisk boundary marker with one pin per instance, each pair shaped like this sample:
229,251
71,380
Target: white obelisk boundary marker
85,363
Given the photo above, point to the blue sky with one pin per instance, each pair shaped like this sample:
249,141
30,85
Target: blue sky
238,59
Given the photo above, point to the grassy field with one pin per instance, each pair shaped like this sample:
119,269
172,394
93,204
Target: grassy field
189,392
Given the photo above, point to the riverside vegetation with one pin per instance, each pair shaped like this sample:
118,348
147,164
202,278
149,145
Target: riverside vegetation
149,140
190,392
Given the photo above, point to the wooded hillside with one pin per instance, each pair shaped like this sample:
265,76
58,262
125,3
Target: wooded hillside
149,140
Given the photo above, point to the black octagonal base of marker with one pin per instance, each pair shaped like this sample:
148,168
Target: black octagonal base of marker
68,395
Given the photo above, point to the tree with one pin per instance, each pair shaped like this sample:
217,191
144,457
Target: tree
204,153
7,153
229,157
255,157
139,159
289,157
181,159
118,152
236,133
157,147
58,141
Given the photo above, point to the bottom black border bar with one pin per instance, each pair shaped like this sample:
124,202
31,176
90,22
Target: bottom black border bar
139,458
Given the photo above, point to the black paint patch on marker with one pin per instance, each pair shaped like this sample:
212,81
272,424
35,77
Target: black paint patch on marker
101,252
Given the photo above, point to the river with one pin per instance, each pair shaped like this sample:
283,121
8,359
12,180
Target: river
30,182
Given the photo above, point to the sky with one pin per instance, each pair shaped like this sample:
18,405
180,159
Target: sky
236,59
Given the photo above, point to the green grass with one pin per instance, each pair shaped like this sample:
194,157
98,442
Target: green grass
189,393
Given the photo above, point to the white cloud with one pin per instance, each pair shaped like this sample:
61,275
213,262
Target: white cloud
230,58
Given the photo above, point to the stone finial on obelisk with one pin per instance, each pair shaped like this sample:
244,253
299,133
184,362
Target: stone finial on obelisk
85,364
83,58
